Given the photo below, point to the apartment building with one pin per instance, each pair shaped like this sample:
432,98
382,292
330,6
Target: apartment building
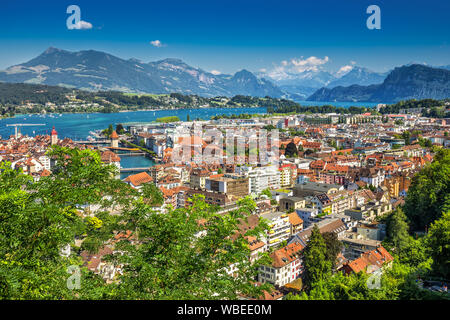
212,198
231,184
198,178
261,178
287,266
369,211
341,201
280,228
308,215
288,175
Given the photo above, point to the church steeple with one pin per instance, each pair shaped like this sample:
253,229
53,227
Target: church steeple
114,140
54,136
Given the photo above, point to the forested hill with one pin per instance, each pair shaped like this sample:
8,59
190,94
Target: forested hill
20,93
32,98
14,98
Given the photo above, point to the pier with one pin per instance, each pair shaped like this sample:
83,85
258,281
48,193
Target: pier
123,149
93,142
131,154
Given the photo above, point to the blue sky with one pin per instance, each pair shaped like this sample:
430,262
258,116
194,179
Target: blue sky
230,35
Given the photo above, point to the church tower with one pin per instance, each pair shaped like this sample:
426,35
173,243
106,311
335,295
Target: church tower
114,140
54,137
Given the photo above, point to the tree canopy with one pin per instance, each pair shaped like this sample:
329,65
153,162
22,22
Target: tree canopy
429,193
181,254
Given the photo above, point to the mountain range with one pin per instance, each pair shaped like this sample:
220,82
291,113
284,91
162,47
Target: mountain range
95,70
306,83
407,82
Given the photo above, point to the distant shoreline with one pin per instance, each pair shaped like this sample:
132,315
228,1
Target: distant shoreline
125,111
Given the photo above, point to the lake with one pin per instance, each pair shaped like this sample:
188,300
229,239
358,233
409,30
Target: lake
78,125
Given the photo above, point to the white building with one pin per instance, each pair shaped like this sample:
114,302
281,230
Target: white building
308,215
261,178
45,162
280,228
287,266
372,176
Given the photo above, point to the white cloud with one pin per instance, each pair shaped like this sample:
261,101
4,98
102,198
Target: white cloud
81,25
215,72
309,64
344,70
296,66
263,70
157,43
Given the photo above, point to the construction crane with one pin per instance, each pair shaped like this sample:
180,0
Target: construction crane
17,127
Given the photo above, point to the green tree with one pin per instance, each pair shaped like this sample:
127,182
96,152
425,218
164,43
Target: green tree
397,229
152,195
173,262
406,135
438,239
291,150
120,129
334,247
267,193
346,287
429,193
425,143
317,267
40,218
179,255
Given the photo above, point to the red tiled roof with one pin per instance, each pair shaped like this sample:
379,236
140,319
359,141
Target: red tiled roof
294,219
114,135
109,156
139,178
377,258
45,173
286,255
